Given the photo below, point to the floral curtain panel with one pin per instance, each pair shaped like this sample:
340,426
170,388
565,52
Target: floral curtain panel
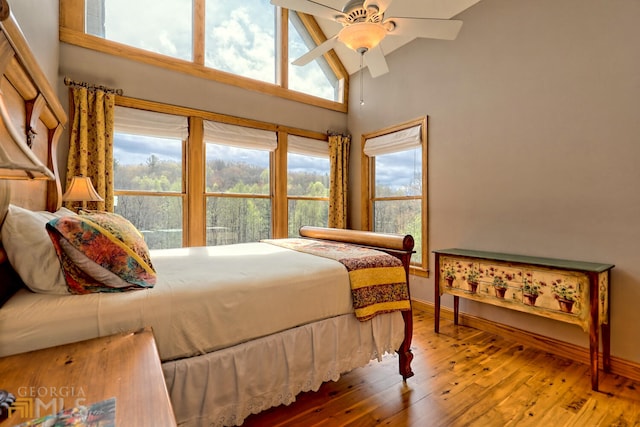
339,146
91,142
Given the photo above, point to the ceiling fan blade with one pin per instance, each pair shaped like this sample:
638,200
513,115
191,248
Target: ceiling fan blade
443,29
374,59
310,7
441,9
317,51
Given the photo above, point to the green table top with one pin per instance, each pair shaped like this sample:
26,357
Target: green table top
523,259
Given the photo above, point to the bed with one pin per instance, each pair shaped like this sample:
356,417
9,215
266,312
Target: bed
239,328
263,325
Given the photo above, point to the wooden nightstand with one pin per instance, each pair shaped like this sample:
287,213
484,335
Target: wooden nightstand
125,366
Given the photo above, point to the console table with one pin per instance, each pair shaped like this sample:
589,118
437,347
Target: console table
568,291
125,366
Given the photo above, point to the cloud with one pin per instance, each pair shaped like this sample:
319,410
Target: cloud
399,170
241,41
136,150
300,163
162,26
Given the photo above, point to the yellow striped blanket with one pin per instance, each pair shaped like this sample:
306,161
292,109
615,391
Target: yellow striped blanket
378,280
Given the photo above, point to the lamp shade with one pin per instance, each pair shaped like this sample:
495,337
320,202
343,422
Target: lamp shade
362,35
81,190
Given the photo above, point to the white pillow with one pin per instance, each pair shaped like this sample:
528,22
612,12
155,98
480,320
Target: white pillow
30,250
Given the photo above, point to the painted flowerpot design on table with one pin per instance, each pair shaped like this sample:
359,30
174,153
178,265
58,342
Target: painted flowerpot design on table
449,274
531,289
500,280
565,293
500,286
472,275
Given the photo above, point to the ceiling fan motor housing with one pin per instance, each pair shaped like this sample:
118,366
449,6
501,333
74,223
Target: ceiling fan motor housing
355,12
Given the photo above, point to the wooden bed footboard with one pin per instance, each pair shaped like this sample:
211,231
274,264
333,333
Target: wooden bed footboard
398,245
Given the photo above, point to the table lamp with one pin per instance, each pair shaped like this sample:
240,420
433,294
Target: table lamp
81,190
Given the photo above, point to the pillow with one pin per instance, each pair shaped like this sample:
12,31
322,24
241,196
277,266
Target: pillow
5,197
9,280
101,252
30,251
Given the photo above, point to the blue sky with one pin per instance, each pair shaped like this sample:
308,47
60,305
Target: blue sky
136,150
397,170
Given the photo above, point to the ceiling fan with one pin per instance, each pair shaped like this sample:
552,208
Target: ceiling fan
365,23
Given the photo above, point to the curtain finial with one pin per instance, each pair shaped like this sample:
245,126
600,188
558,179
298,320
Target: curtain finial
90,86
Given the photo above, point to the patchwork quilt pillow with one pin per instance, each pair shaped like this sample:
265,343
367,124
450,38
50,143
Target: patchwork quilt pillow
101,252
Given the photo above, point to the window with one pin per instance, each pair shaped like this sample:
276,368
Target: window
317,77
240,38
395,161
218,37
148,174
238,183
187,177
307,183
168,26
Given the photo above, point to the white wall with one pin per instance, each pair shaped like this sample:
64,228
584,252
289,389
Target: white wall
534,142
147,82
38,20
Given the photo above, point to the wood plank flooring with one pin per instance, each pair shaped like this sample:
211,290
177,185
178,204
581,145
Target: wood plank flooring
465,377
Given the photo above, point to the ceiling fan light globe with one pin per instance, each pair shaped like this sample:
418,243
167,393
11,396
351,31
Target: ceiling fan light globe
362,35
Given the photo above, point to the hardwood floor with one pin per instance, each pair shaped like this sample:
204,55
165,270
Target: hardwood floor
465,377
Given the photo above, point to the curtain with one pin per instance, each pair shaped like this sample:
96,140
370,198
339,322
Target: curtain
405,139
240,136
339,158
91,142
133,121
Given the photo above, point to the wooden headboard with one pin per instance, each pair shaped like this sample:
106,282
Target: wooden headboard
35,115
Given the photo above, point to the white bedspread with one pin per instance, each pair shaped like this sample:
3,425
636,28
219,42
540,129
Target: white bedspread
205,299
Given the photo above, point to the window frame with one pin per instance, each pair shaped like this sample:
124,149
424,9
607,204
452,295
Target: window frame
182,194
72,22
247,196
368,187
194,197
306,198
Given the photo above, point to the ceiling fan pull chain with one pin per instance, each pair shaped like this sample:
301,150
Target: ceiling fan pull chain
361,78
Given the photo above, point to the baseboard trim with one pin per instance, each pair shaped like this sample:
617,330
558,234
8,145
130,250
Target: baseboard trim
619,366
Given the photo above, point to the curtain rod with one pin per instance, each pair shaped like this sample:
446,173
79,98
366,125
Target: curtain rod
70,82
334,133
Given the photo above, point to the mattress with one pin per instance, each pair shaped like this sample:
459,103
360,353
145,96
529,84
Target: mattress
205,299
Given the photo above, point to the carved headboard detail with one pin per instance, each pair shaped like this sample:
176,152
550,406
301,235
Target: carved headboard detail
32,120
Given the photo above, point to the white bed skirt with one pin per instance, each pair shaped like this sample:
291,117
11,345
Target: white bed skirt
224,387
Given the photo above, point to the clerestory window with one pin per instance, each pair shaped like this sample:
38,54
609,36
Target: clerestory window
252,40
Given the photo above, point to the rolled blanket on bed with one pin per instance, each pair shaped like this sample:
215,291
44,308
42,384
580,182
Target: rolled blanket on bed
378,280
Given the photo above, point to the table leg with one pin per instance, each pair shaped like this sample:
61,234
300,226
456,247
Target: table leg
456,309
593,330
606,347
436,287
